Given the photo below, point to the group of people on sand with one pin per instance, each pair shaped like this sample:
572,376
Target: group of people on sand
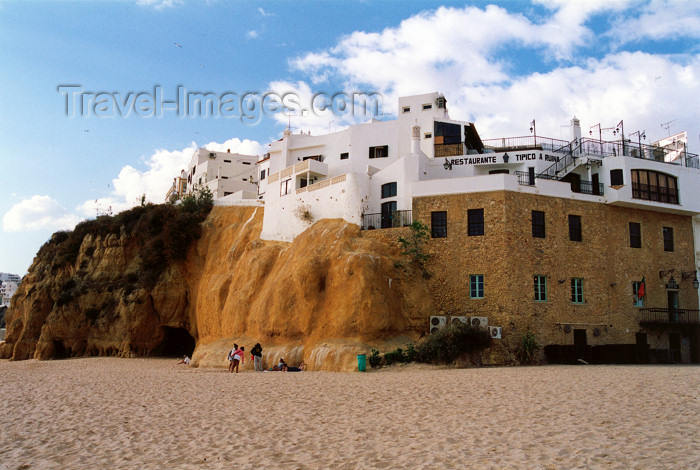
236,356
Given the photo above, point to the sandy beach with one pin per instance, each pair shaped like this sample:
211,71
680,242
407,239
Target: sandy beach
153,413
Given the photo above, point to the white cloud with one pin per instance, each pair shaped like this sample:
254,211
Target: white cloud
159,4
38,213
252,34
460,52
661,19
162,166
263,13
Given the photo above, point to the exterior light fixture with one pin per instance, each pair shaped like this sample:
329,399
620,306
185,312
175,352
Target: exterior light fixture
694,276
672,284
533,129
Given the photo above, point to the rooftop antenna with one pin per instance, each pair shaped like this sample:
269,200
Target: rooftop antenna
667,126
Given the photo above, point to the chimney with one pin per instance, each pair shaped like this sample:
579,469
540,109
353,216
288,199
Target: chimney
228,150
415,139
575,129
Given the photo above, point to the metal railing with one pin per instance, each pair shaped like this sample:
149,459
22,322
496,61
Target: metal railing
595,147
393,220
587,187
650,192
524,142
581,186
669,316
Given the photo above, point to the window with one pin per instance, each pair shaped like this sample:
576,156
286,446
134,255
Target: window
226,177
344,156
616,178
575,228
635,235
285,187
538,224
227,161
389,190
475,222
227,194
637,300
498,172
246,163
381,151
427,106
262,175
447,133
406,109
654,186
428,135
668,239
540,288
476,286
438,222
576,290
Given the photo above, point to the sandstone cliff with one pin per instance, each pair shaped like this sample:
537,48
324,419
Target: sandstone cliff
322,299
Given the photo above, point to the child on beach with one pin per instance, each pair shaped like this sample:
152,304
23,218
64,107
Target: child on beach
231,353
238,357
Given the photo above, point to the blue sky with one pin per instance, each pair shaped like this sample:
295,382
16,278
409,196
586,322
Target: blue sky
499,65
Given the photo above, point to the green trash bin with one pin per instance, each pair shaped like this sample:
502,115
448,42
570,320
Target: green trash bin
361,362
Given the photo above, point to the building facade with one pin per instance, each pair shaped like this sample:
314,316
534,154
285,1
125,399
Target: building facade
226,174
591,245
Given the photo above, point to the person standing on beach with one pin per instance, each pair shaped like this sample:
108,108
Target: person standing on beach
238,357
256,352
231,353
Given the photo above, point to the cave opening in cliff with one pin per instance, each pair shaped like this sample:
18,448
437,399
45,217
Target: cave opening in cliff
59,351
176,342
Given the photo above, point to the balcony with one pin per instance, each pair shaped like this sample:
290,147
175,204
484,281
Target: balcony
577,186
668,316
393,220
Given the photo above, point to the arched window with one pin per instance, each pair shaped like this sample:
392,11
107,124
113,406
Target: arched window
654,186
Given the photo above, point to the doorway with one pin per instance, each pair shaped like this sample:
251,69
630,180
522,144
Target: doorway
672,306
580,343
642,350
388,209
674,346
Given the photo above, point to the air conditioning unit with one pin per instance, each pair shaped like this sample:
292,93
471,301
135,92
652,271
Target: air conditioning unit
495,332
454,320
437,322
479,322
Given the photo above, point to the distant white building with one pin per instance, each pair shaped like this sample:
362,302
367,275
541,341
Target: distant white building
8,286
224,173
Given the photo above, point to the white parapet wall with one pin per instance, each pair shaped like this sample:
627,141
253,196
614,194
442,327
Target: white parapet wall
341,197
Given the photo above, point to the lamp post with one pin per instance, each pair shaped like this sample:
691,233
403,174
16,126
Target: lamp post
640,135
533,129
600,136
620,129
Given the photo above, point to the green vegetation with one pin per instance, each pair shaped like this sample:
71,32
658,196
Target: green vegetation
160,233
442,347
413,246
528,348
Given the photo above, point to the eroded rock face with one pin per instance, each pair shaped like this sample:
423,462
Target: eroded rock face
321,299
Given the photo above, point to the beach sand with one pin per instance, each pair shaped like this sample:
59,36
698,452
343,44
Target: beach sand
153,413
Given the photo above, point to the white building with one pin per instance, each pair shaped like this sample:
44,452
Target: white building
369,173
226,174
8,286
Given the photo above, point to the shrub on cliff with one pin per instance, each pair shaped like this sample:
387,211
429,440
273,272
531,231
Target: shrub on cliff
162,233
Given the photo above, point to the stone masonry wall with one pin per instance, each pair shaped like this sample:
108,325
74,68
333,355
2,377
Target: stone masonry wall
509,257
